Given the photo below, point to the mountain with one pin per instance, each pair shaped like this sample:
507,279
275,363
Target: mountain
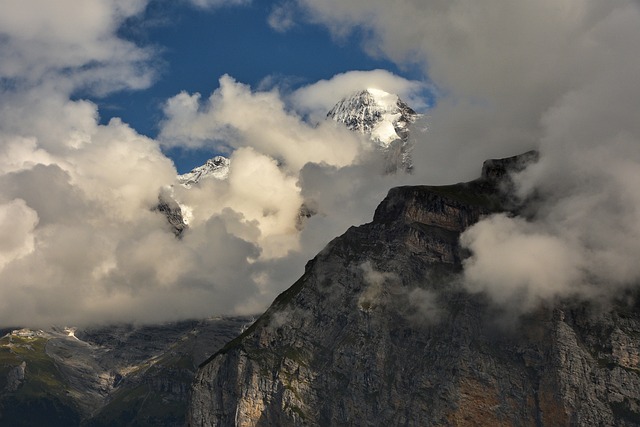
385,118
379,331
382,115
168,207
217,167
111,375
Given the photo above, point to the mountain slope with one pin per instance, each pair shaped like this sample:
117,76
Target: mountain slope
378,332
113,375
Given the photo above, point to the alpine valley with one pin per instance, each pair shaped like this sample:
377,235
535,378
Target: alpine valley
378,331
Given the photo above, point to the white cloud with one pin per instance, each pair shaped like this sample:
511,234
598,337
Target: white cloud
87,246
236,116
281,17
18,222
518,264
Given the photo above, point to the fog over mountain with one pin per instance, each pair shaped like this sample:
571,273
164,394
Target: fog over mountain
80,241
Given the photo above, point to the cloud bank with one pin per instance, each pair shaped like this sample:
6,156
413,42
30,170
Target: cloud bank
80,241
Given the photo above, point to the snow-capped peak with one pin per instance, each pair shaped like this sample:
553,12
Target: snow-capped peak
382,115
217,167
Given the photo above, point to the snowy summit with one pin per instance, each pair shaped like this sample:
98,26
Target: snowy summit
382,115
217,167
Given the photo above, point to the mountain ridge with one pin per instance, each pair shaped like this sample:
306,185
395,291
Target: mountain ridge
103,376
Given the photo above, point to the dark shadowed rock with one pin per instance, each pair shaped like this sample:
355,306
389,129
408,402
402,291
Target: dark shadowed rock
379,331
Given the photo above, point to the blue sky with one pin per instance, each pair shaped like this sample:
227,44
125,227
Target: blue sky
194,47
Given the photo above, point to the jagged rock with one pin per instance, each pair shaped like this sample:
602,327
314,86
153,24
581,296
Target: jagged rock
378,331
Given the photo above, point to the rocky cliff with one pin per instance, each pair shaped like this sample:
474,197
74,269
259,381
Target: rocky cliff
379,331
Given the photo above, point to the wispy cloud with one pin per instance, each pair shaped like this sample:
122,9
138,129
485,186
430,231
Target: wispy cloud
282,17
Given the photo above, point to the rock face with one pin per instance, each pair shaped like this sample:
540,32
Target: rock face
378,331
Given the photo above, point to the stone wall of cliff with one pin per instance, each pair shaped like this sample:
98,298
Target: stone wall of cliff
379,331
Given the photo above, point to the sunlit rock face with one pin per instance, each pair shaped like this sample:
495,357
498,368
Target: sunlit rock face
380,331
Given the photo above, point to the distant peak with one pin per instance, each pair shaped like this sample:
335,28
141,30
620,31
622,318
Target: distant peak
216,167
375,112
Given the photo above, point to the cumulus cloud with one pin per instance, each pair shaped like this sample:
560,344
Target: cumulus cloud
280,162
81,240
18,222
234,116
518,264
557,76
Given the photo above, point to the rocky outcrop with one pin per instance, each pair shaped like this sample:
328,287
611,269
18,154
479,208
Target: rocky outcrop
378,331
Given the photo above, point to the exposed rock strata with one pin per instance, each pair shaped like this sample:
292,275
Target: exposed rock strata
378,332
